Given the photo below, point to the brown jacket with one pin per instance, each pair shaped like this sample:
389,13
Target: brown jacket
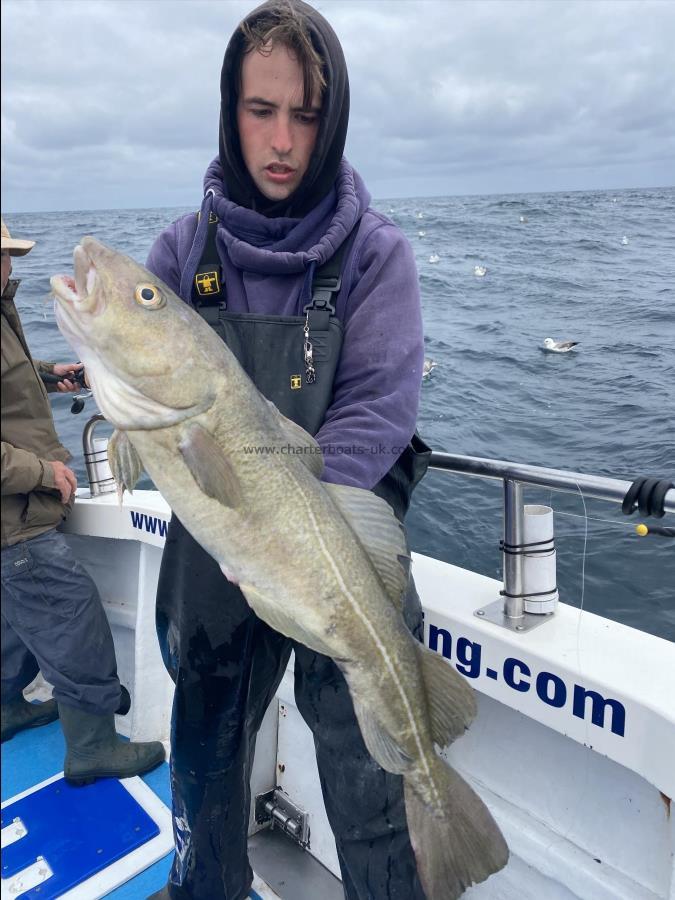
31,504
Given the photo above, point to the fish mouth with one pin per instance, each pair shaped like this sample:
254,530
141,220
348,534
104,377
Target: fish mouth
78,290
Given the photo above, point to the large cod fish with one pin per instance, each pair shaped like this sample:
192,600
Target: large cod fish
318,562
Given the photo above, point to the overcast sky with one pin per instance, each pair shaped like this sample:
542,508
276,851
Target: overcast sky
115,103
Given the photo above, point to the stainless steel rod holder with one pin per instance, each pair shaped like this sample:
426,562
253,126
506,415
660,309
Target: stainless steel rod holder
100,477
514,606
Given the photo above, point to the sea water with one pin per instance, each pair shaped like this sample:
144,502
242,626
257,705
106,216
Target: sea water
594,267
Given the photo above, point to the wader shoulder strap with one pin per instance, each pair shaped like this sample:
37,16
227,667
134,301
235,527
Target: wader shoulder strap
328,278
208,288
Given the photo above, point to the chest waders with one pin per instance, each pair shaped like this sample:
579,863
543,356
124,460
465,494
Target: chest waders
227,663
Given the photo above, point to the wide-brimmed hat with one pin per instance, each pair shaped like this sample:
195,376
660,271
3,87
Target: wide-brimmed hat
16,246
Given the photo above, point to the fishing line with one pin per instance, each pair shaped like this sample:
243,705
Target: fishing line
48,301
629,525
578,640
583,569
586,743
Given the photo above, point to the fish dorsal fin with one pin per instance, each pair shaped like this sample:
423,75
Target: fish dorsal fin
209,466
379,531
451,701
125,463
305,448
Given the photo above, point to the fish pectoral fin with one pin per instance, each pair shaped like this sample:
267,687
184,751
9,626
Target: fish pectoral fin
451,701
380,533
381,746
209,466
304,445
277,618
125,463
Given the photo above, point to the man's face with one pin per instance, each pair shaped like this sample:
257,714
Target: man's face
6,268
277,133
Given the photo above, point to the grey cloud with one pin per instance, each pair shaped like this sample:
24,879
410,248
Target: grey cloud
115,102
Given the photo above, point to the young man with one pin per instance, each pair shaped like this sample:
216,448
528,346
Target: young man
346,364
52,616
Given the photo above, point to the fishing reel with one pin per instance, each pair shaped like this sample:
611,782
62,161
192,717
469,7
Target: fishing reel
78,377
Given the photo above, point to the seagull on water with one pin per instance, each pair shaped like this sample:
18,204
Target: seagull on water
479,271
428,367
559,346
434,258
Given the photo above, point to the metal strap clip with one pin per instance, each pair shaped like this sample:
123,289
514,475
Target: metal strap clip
310,371
323,291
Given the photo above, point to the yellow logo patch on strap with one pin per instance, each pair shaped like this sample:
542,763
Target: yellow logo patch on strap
212,217
207,283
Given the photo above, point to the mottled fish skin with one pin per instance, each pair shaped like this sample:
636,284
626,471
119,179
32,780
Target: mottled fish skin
162,376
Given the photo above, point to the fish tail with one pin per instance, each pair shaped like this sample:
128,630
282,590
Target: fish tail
456,843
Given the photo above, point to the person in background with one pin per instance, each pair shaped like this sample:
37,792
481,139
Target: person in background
340,353
52,616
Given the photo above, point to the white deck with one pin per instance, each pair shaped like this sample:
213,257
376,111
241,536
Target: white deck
573,748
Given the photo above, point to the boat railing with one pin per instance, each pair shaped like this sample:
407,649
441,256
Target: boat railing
96,462
516,611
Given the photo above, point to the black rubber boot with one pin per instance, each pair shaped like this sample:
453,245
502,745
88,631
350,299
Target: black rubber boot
94,749
125,702
19,714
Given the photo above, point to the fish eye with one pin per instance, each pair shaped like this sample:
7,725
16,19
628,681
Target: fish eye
149,296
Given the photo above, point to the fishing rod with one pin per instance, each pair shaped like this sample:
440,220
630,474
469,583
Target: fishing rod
78,402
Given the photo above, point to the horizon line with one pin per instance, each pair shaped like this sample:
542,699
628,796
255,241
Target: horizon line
656,187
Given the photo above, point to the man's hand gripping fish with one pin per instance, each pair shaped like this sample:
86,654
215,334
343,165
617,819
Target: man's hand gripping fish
318,562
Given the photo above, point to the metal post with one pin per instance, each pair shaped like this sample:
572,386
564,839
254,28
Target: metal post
101,480
513,537
509,611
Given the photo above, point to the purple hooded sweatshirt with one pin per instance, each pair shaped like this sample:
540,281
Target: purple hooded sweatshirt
268,265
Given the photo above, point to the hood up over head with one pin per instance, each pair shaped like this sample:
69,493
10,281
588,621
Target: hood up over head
325,161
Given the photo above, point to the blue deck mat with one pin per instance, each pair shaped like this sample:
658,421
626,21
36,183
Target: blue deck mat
65,826
34,755
37,754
